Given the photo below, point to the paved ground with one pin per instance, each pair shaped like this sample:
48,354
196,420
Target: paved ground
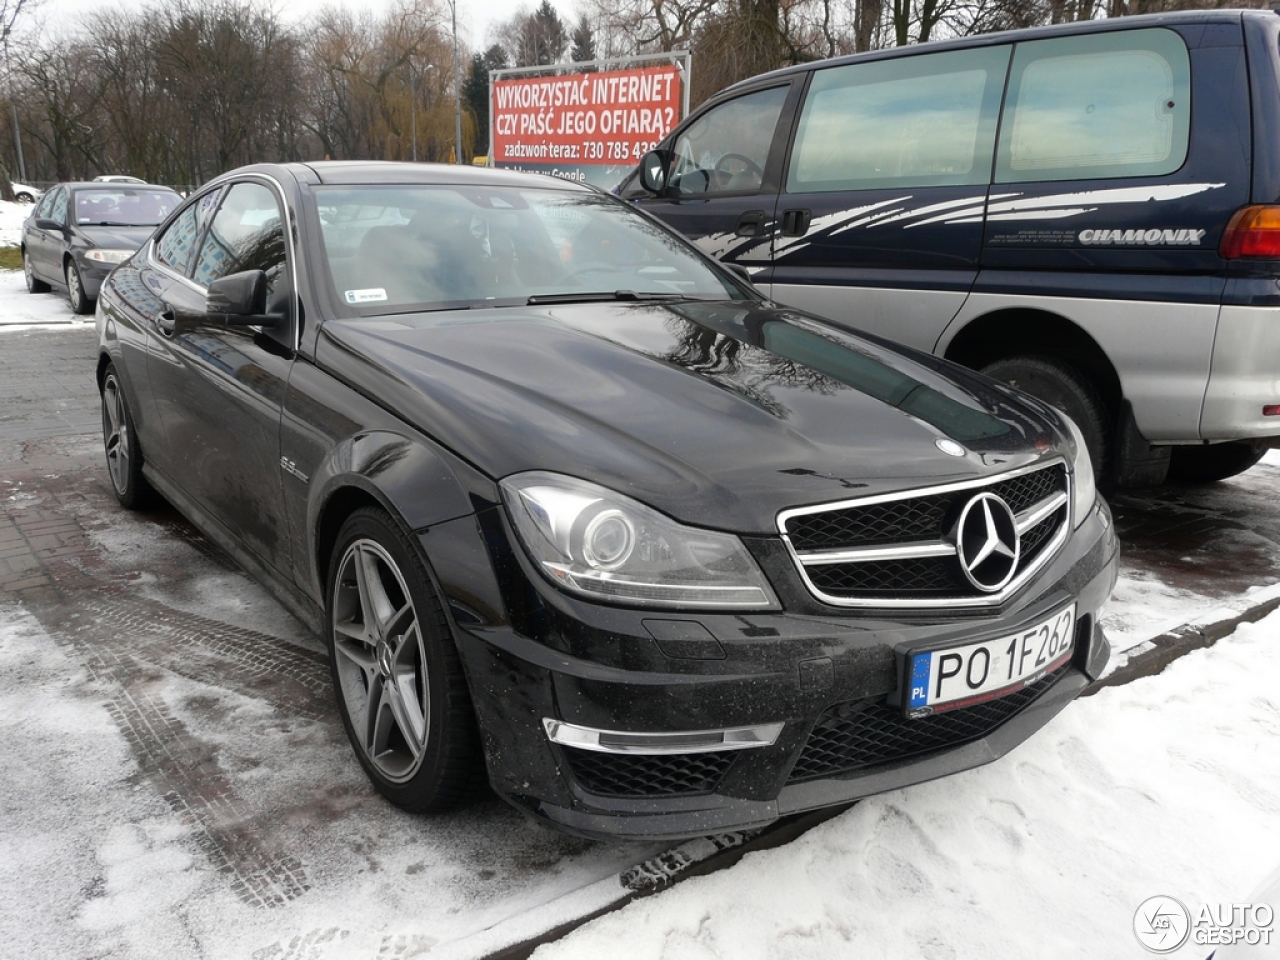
128,615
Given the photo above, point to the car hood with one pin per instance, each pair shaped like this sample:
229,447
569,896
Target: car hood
720,414
115,238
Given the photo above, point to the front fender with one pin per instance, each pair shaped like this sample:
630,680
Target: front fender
417,484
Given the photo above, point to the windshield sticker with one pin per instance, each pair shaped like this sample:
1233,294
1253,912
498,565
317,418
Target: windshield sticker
371,295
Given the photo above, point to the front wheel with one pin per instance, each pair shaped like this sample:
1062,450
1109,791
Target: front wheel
34,283
1214,462
81,303
1064,388
398,678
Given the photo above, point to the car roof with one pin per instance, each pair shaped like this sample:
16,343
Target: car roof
357,172
1009,36
108,185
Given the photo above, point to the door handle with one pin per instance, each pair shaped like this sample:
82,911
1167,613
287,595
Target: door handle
750,224
167,321
796,222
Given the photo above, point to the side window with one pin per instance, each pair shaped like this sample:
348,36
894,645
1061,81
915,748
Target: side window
724,150
46,203
1105,105
246,234
909,122
58,208
178,242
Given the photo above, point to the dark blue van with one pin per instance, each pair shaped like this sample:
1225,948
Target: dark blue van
1088,212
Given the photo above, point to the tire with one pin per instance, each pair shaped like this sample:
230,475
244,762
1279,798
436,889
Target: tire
415,736
120,441
1215,462
24,197
34,283
1064,388
80,303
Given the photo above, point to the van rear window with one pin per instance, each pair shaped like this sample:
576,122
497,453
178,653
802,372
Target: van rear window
1102,105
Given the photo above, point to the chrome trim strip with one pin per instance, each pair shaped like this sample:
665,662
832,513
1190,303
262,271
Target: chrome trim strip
816,558
786,515
660,744
934,603
1034,515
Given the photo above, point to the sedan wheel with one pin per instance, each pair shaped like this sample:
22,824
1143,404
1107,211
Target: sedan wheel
75,291
124,457
396,672
34,283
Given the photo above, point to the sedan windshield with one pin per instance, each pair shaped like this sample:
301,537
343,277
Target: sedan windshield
123,206
397,249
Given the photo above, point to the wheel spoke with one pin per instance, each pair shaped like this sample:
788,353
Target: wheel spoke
407,718
358,652
375,605
377,718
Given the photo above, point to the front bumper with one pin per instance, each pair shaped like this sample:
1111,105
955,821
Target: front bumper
827,676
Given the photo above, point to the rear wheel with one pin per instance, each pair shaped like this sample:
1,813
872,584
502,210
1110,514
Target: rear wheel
398,678
124,456
80,302
34,283
1215,462
1065,388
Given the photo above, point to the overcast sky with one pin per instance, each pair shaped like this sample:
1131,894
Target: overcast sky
475,17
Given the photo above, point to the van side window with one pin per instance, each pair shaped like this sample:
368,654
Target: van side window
908,122
1105,105
724,151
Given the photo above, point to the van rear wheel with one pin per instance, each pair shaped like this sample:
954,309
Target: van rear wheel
1215,462
1064,388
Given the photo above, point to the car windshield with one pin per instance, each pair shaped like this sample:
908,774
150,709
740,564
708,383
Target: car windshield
123,206
398,249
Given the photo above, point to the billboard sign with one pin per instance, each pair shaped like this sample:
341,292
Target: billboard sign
591,127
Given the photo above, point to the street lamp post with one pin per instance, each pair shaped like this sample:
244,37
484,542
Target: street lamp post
413,110
457,89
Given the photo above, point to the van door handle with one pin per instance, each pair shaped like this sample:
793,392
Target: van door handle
796,222
750,224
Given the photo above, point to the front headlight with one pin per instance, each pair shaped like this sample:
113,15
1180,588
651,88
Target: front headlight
594,542
1085,488
108,256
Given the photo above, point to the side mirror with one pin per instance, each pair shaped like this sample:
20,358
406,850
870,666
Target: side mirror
240,300
653,172
44,223
739,271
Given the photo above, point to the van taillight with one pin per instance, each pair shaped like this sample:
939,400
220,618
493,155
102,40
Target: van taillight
1252,234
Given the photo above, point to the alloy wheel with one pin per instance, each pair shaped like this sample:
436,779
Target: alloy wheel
115,434
380,660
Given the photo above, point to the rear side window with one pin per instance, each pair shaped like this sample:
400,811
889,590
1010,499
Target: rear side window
910,122
1105,105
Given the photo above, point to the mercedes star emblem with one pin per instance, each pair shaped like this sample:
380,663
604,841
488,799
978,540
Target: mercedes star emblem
987,542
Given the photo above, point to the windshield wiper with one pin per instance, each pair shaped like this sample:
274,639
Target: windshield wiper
112,223
606,295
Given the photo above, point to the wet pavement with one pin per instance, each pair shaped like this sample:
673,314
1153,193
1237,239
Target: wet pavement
150,614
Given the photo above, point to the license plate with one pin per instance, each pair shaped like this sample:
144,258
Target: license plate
962,676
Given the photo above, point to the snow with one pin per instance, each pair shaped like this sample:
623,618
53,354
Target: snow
1168,785
11,217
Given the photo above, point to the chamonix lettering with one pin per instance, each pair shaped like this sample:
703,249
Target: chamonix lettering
1153,237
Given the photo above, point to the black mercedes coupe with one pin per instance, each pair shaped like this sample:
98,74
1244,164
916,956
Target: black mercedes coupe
573,504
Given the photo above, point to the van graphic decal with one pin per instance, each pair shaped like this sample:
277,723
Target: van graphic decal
1062,205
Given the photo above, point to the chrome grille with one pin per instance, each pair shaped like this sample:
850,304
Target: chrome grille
900,549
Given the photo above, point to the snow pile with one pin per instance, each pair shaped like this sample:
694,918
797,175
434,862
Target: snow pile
1170,785
11,217
20,310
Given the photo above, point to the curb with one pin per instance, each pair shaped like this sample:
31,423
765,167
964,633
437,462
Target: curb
1152,656
689,859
